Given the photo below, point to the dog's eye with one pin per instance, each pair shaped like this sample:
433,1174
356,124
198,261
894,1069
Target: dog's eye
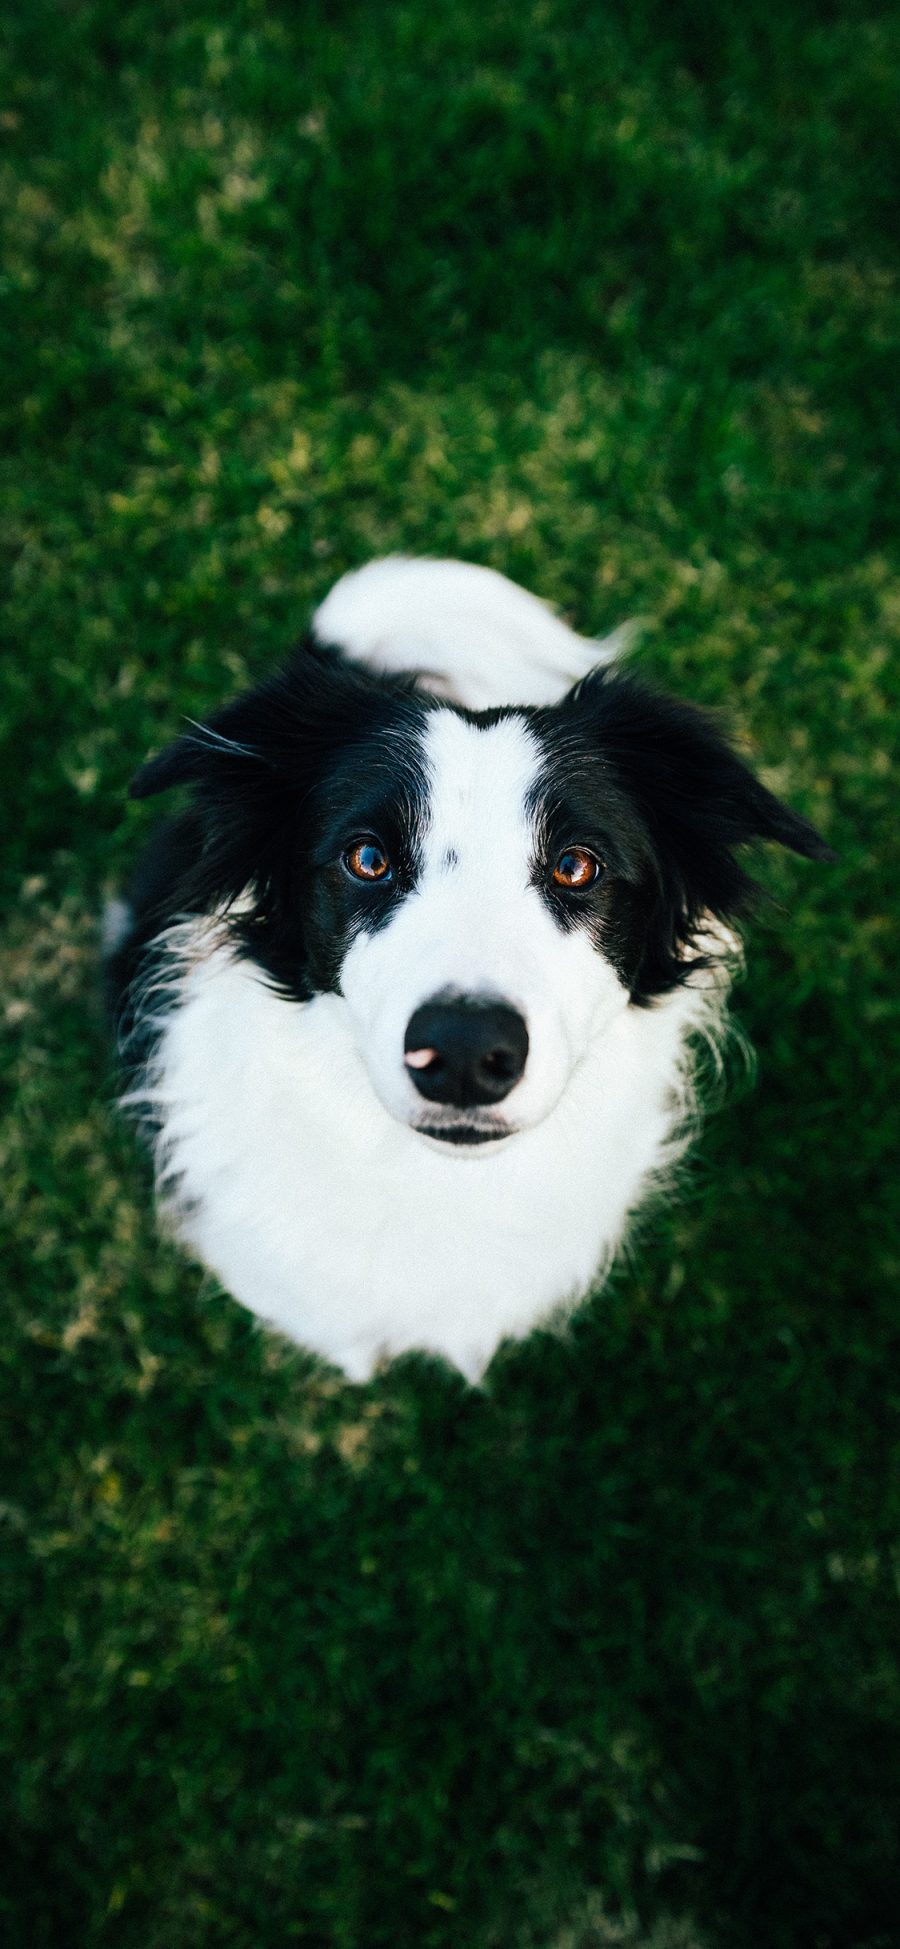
576,869
366,860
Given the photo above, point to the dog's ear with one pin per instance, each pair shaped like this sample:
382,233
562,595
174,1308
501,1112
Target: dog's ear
275,732
203,749
679,764
254,767
697,800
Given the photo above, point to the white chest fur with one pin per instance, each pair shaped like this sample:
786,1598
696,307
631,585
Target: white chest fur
355,1235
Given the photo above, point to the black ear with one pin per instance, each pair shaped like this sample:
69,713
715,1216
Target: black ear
202,749
694,790
254,767
697,803
317,700
246,766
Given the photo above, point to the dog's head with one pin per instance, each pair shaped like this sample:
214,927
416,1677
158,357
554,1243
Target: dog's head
487,891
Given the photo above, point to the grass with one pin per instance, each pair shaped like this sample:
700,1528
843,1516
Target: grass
605,1654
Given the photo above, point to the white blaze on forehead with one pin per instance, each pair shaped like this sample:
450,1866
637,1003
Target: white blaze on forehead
476,923
479,778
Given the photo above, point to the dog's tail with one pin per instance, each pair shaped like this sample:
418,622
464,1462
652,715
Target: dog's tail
471,635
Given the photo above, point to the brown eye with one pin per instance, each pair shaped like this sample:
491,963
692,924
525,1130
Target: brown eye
366,860
576,869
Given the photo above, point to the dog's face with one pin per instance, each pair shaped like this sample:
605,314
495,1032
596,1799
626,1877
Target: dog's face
487,892
471,964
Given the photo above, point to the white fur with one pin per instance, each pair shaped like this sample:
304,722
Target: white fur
288,1144
339,1224
476,925
288,1156
470,634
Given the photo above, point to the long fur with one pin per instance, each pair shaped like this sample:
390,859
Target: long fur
266,992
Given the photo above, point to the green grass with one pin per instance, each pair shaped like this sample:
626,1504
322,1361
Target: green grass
606,1654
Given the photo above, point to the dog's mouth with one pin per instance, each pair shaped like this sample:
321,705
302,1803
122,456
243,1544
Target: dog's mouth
464,1134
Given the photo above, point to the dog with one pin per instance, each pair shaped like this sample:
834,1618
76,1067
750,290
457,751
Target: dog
409,993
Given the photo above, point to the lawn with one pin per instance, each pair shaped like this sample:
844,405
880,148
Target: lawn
606,1653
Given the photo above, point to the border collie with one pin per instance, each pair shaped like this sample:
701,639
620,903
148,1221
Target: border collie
409,992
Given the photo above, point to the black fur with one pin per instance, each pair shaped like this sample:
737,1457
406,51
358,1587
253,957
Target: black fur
283,778
652,785
286,775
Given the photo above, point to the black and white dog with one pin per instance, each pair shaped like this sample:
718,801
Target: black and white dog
409,991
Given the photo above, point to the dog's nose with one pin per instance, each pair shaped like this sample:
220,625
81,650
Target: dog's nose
465,1051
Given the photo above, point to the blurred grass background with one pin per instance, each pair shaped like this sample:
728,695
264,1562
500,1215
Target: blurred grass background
604,297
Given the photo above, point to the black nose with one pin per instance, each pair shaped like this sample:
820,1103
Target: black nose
465,1051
